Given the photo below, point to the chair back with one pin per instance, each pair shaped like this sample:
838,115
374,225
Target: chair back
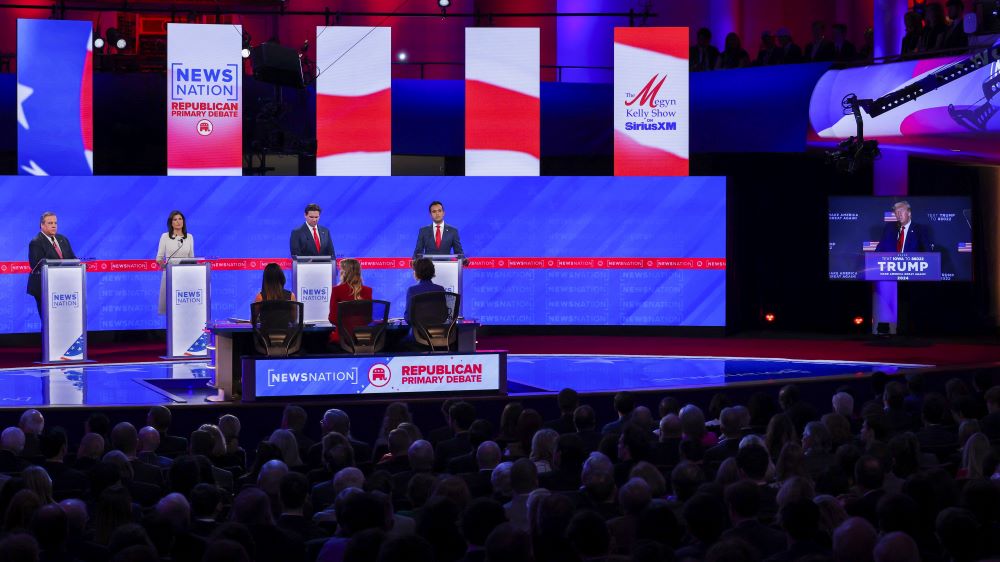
361,325
277,327
433,316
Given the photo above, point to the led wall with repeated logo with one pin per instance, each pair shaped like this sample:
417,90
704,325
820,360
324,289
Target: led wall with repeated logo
354,101
502,107
543,250
940,231
945,103
204,99
651,101
54,110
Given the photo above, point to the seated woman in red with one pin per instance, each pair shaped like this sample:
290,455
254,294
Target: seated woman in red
349,289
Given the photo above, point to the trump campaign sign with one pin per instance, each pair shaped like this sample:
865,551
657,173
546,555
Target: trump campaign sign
651,101
54,109
204,100
378,375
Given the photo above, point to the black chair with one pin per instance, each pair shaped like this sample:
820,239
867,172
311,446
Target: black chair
277,327
361,325
433,317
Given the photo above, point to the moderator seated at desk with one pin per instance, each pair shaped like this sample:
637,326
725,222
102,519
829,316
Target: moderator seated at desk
235,339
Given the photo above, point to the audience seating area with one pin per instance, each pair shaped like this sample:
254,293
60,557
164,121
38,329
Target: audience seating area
867,469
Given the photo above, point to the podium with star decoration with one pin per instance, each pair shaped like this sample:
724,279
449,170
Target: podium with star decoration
188,307
64,311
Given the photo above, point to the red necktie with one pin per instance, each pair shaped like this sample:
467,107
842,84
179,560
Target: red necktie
437,237
56,246
316,237
899,241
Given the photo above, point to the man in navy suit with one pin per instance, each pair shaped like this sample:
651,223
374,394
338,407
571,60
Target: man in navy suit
47,245
438,238
903,235
311,239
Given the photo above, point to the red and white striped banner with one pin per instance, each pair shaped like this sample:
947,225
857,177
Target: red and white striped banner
354,101
516,262
651,101
502,107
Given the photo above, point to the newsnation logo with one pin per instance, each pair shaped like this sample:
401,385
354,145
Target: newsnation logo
314,294
66,300
654,117
189,297
190,87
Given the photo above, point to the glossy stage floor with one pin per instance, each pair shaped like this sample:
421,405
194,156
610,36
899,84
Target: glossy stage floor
610,364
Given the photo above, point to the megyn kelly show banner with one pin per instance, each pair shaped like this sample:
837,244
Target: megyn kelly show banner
205,92
651,101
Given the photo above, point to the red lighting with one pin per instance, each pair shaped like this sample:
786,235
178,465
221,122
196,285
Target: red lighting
858,320
769,317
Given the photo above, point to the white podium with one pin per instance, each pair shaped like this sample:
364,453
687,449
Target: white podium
64,327
448,273
312,281
189,307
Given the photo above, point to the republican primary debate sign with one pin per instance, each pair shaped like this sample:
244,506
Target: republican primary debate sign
204,114
344,375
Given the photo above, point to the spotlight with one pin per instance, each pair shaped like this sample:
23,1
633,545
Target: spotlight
245,51
98,42
444,3
770,318
402,56
859,320
115,39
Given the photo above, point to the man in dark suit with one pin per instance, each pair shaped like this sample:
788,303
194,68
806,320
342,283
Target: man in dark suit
438,238
788,51
731,421
462,414
47,245
903,235
171,446
743,501
66,482
125,438
311,239
820,49
568,401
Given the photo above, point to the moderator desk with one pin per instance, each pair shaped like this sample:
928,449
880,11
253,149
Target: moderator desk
233,340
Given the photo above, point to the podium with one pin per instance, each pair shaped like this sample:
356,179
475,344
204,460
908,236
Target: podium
448,273
312,281
64,326
908,266
188,307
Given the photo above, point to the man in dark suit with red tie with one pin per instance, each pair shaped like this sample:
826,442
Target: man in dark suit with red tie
903,236
48,245
438,238
311,239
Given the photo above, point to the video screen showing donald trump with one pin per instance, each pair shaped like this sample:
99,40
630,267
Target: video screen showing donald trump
900,238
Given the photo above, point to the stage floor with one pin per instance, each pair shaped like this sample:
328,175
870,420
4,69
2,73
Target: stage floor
185,382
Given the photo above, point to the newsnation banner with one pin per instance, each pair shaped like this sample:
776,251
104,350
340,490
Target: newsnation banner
205,92
354,101
651,101
342,376
54,85
502,107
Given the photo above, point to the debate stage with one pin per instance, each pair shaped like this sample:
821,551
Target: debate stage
130,375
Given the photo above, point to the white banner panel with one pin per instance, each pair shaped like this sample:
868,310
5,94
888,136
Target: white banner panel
204,100
313,284
651,101
188,306
502,101
354,101
65,309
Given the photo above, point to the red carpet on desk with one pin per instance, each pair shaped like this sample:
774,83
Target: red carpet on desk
934,353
